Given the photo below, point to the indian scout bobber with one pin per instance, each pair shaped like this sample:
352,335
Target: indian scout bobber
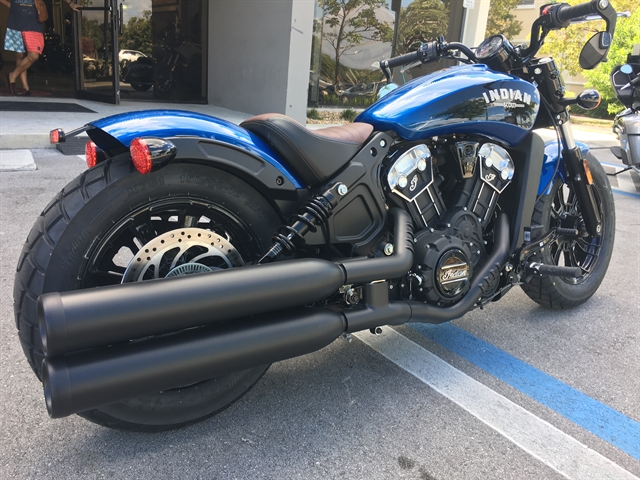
157,287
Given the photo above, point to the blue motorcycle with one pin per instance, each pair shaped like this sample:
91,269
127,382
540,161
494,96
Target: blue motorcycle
159,285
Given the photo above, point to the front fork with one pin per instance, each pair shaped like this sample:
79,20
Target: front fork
579,177
546,75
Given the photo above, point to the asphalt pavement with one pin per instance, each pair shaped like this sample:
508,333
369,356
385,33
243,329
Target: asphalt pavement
512,391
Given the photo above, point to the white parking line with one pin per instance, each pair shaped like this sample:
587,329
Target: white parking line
551,446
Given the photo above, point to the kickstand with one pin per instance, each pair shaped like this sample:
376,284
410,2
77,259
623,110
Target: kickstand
618,173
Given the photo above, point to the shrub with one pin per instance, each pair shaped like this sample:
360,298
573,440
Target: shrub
349,114
313,114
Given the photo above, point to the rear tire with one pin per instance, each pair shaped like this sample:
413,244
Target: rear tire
590,253
141,87
85,237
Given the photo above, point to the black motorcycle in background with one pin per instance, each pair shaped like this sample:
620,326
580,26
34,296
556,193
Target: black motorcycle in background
169,67
56,55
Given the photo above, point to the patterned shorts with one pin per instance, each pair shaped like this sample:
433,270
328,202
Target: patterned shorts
16,41
13,41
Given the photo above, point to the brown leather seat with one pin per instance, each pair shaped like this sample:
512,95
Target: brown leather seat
314,154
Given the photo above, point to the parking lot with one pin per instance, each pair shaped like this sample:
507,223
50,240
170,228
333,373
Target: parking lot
512,391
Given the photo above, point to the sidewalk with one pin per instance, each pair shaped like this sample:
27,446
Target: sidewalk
22,131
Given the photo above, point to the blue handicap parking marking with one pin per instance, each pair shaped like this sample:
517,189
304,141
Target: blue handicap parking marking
590,414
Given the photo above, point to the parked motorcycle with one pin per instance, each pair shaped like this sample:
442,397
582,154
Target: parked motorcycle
139,74
56,56
626,85
170,67
160,284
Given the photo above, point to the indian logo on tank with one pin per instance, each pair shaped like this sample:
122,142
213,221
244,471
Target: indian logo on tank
507,97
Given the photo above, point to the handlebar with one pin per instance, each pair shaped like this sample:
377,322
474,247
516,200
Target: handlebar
632,83
560,15
564,13
405,59
427,52
552,17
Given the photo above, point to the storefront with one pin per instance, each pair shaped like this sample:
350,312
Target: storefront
253,56
122,49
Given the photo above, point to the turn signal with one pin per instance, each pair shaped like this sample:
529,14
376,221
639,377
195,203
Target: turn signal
91,154
140,155
56,136
587,172
149,154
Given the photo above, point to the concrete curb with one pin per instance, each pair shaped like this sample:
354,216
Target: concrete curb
16,161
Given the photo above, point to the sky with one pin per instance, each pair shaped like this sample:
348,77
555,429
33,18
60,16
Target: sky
134,8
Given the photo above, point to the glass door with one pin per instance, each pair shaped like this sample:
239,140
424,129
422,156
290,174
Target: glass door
135,57
96,44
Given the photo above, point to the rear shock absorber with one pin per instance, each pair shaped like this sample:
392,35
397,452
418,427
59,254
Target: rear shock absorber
315,211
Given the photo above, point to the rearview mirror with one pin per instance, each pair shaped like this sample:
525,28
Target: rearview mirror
595,50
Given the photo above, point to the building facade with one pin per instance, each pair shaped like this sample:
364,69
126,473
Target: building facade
253,56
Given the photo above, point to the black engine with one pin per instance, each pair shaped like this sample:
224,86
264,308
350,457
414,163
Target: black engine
451,189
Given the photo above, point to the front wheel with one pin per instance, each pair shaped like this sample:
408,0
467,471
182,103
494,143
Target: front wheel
89,235
591,254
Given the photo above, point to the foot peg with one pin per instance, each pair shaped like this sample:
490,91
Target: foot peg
536,268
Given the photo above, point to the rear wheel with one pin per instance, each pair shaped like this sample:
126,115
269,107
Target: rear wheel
591,254
141,87
89,235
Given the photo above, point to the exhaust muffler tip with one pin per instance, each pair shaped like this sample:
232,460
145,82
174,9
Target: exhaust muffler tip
52,324
56,386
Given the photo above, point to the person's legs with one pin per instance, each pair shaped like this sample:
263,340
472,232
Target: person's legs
22,67
23,75
34,43
13,42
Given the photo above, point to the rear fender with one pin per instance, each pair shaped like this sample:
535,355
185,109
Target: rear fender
117,131
206,140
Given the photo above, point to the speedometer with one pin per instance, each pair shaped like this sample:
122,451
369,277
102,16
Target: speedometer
489,47
496,52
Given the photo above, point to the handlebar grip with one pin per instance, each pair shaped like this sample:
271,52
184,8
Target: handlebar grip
565,13
405,59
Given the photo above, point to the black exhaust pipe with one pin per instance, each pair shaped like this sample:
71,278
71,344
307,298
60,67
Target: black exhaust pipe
82,319
73,321
379,311
88,379
487,276
85,380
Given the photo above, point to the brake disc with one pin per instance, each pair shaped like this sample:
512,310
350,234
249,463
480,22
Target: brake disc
185,251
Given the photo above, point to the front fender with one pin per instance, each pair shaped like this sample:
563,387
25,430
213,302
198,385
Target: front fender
551,167
117,132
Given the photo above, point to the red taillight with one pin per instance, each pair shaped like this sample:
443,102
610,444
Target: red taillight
91,153
140,155
56,136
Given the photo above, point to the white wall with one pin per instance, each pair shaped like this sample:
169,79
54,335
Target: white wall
475,23
259,55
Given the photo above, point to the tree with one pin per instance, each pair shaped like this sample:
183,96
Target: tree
137,34
350,22
501,20
422,21
565,46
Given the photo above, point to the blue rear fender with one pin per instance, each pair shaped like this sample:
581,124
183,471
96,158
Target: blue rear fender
552,167
191,129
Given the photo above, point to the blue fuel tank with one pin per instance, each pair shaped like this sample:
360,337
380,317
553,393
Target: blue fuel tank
466,99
